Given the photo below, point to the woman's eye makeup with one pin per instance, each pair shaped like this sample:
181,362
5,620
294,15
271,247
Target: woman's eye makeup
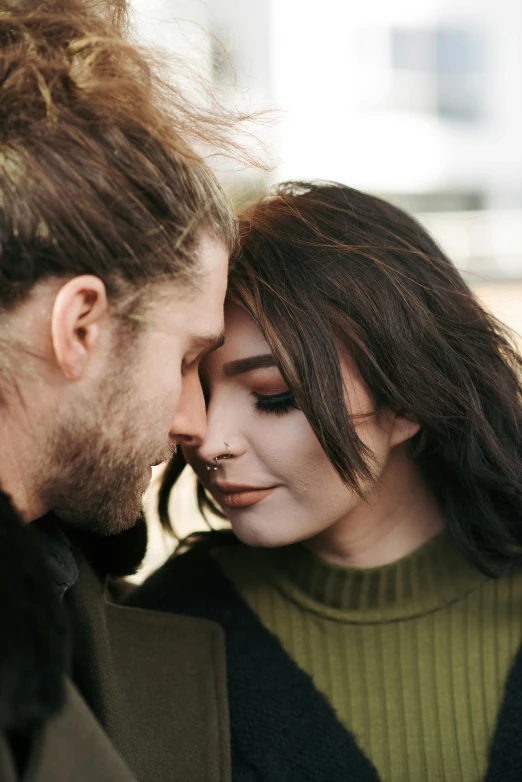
278,404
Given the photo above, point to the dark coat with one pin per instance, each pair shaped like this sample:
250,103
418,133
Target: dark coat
91,691
282,728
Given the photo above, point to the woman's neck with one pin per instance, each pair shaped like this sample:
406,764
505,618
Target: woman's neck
398,517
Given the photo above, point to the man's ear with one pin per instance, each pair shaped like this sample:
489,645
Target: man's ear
403,429
78,312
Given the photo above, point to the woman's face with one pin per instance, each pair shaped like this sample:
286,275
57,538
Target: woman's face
278,486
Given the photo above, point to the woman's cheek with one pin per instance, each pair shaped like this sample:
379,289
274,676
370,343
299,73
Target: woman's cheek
288,444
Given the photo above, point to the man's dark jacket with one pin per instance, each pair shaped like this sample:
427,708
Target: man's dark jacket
94,692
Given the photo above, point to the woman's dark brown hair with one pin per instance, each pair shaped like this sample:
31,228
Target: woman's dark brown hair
321,266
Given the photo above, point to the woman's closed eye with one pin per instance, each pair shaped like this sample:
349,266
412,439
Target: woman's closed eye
278,404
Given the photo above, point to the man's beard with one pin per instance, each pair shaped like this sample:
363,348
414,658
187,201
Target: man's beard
100,464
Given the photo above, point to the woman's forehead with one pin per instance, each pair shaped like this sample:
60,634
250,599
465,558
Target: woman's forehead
243,339
241,330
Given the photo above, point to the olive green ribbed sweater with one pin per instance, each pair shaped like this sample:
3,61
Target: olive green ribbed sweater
413,655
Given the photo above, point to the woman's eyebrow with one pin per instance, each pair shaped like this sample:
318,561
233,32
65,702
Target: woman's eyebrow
241,365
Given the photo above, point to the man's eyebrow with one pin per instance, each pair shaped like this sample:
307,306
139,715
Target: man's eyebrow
241,365
212,342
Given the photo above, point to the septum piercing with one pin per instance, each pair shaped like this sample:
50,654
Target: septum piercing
215,459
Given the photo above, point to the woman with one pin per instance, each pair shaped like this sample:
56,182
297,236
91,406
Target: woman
364,420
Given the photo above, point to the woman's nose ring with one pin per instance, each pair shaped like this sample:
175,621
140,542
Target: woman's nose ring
215,459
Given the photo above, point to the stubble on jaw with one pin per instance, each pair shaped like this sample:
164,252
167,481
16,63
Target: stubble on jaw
99,457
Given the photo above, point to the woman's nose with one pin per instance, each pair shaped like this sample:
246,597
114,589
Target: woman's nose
222,439
213,448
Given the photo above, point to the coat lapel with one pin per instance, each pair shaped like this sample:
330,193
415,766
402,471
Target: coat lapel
157,684
72,746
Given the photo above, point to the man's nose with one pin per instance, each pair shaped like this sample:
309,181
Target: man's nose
190,421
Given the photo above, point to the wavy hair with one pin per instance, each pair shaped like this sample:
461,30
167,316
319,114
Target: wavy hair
98,168
322,265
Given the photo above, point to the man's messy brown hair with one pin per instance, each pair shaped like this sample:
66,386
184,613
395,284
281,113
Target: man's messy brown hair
98,172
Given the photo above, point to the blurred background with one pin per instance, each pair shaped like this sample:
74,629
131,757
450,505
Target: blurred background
420,102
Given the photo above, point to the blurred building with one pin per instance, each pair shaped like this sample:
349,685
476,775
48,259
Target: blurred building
419,102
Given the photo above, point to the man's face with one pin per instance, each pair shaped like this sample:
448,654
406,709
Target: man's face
147,399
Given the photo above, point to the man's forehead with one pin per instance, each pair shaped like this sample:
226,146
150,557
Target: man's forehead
201,315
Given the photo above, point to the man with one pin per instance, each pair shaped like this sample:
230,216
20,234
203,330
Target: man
114,239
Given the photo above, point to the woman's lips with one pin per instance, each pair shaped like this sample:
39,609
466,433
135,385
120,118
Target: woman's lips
241,496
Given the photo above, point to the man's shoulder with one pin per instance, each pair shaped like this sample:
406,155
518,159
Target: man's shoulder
35,641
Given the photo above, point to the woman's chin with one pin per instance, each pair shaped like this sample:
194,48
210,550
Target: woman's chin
253,537
259,536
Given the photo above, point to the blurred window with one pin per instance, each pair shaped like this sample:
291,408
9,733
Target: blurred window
412,50
460,74
439,71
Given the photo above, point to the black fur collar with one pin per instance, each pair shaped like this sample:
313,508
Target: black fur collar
34,650
114,555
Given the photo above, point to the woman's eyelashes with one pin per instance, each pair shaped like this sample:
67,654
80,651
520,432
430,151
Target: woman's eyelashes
278,404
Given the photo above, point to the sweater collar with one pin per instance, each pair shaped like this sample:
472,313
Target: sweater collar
433,576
